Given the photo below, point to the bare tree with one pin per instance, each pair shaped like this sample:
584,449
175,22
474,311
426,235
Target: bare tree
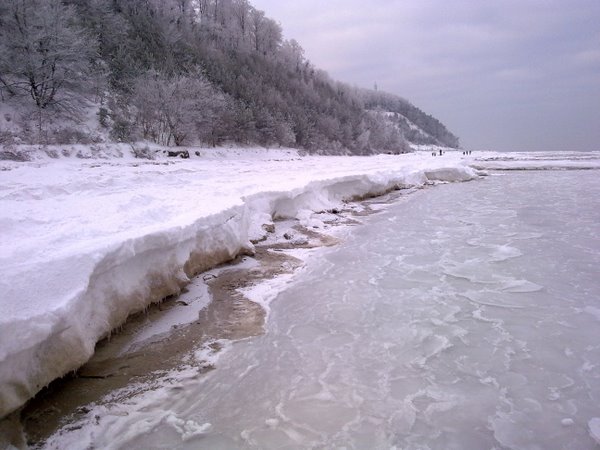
257,23
202,7
241,11
43,53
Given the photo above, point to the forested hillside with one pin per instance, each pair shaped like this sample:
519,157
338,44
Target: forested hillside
183,72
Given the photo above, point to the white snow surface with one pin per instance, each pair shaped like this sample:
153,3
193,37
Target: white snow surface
86,243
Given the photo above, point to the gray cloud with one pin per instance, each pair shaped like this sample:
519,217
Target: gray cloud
503,75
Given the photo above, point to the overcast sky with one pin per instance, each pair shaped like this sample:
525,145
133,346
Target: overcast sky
501,74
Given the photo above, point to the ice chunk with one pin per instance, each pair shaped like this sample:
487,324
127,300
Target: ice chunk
594,426
187,428
593,311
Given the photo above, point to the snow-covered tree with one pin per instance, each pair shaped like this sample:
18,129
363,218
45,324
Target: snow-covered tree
178,109
44,53
177,71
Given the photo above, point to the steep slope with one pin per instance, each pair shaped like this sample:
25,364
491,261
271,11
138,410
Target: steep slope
416,126
183,72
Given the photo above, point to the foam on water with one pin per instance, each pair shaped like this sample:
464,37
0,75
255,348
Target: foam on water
447,327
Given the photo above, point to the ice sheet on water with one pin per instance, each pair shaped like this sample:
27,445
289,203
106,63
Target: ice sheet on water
345,340
537,160
505,252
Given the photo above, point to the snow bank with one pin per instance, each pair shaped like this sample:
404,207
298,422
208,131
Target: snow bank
86,243
142,150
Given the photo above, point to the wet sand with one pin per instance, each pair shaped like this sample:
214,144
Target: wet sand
229,316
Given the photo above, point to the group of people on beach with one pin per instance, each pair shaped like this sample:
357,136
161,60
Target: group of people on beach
465,152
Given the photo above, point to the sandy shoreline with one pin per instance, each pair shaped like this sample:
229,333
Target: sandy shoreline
228,316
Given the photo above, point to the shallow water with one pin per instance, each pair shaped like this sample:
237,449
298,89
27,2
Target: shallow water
466,316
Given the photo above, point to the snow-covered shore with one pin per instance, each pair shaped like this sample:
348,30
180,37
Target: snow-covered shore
86,243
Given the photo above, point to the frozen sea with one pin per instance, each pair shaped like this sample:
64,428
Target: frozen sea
466,316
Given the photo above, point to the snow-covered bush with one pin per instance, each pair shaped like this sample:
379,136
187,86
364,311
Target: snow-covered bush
13,153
